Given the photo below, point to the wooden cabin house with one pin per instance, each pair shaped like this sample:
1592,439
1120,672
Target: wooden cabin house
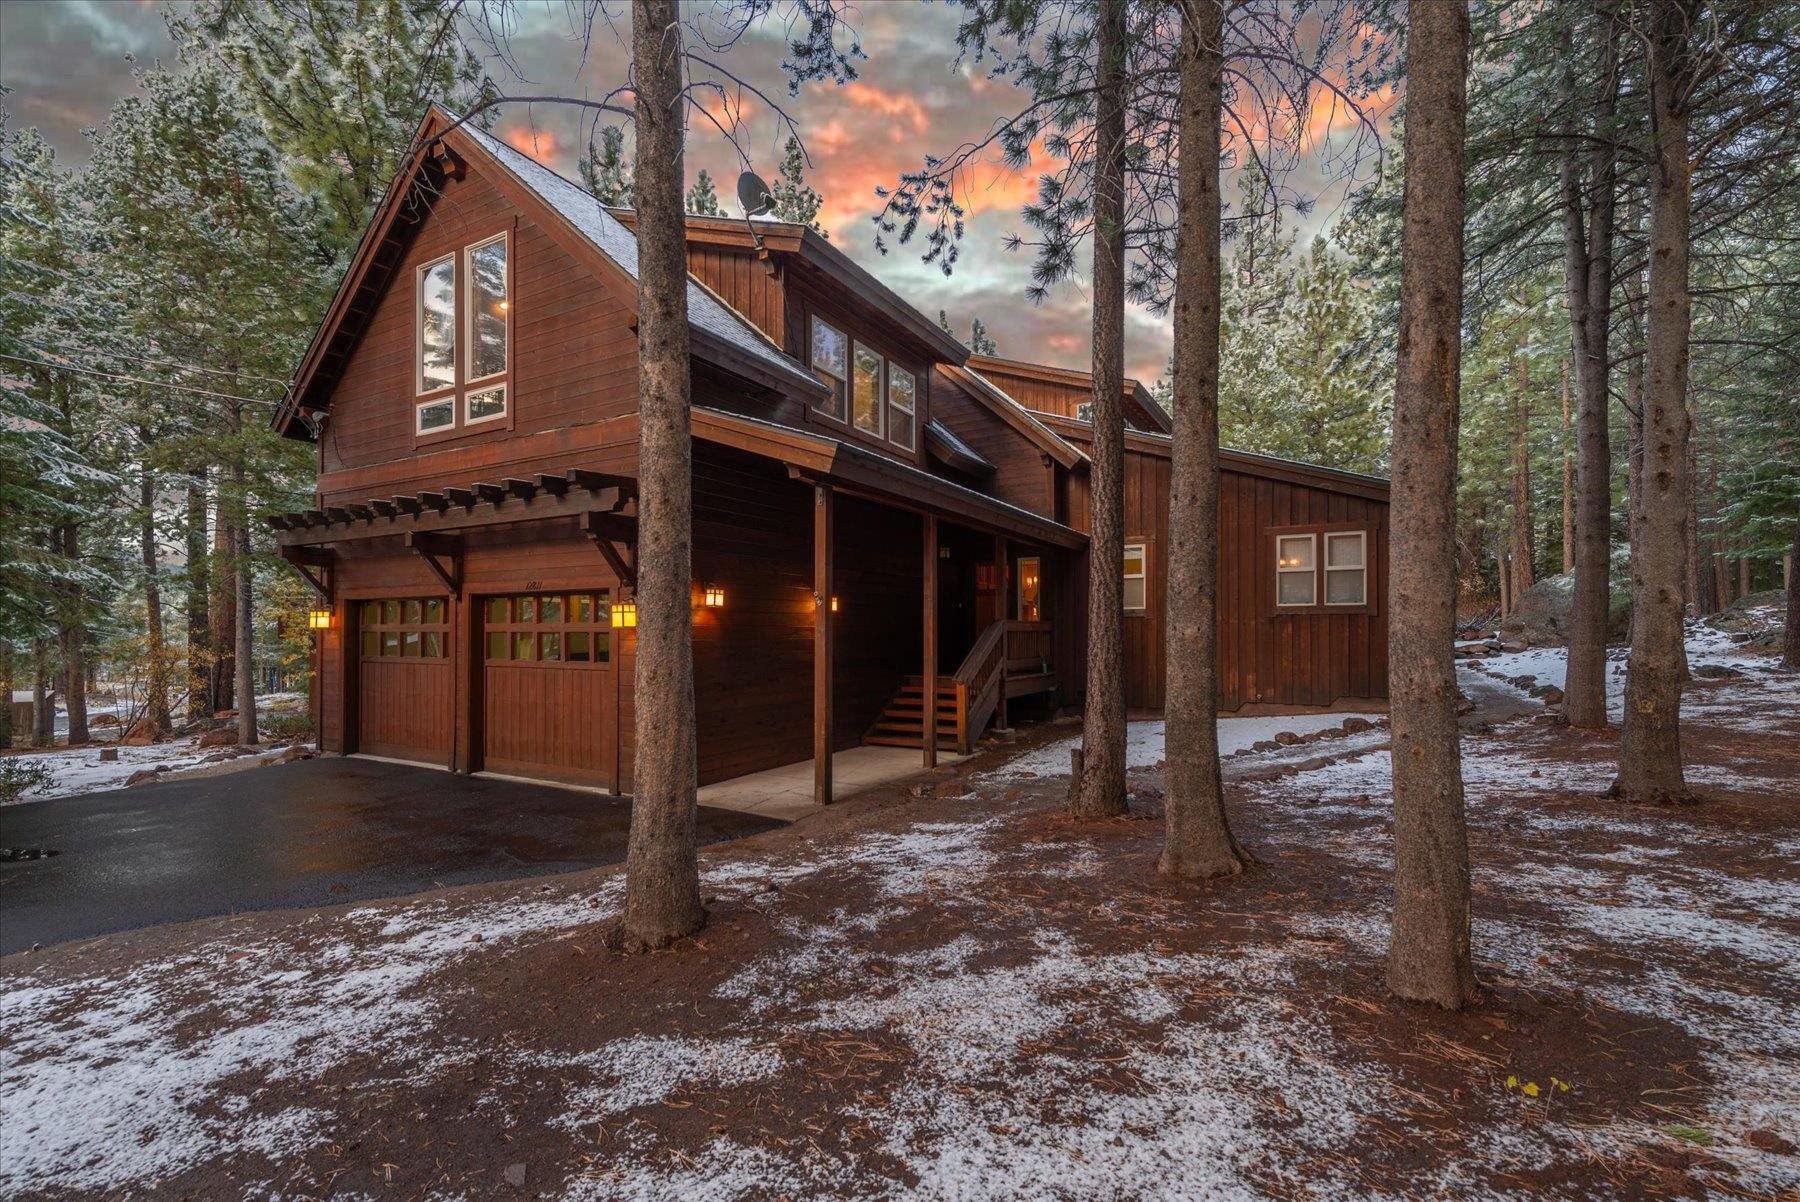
879,517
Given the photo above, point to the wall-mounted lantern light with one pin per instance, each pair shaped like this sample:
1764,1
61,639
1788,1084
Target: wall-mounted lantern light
715,596
318,619
834,605
624,614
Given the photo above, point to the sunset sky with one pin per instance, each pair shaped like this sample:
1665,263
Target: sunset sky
66,63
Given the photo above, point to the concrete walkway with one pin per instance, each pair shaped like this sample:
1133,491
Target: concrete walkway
786,793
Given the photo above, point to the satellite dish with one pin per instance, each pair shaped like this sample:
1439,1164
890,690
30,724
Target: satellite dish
754,195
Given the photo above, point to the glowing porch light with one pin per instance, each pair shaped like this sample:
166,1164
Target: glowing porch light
624,614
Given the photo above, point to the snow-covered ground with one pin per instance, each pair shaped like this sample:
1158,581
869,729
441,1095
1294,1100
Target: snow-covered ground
80,770
1144,742
1705,646
1048,1063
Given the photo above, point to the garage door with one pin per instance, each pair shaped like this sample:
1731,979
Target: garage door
404,682
549,700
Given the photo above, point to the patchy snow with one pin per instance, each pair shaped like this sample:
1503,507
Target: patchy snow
644,1069
1144,745
78,770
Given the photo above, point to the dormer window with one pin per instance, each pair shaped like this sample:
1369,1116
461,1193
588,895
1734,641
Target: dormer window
869,397
463,304
903,390
831,363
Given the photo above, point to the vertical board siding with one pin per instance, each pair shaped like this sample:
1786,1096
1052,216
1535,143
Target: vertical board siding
405,708
573,356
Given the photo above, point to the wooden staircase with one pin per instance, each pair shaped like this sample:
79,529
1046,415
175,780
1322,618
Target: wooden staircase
1009,659
902,723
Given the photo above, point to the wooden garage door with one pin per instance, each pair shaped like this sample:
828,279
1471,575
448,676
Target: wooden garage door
403,674
549,702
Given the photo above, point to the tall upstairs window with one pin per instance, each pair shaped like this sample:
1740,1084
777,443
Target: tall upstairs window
831,363
463,305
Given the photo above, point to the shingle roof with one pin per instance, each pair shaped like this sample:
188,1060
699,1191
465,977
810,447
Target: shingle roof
588,216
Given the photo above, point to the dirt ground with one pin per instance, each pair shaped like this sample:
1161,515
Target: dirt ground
954,991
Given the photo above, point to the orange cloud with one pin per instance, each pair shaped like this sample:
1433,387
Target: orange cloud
540,144
867,96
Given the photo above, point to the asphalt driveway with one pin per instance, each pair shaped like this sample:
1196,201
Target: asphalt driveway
309,833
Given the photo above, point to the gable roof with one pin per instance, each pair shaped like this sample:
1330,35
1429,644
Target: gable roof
995,400
804,242
720,334
1136,393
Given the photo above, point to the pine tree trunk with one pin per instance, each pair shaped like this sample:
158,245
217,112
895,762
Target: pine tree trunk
43,697
156,686
222,634
1198,842
1588,215
1690,535
244,579
7,668
662,901
1568,479
1428,953
1790,639
1650,767
1521,485
72,635
1743,572
1099,790
199,615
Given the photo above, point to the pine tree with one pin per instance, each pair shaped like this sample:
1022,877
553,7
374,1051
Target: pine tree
604,171
339,86
1428,952
980,342
662,896
702,199
795,200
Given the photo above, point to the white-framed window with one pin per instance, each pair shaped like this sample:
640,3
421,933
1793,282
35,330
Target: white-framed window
831,363
1296,570
430,417
868,397
486,302
1347,567
1084,412
436,322
903,406
1137,578
484,404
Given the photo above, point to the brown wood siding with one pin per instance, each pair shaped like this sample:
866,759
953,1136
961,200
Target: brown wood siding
744,282
807,294
572,359
550,722
1023,475
1310,658
753,656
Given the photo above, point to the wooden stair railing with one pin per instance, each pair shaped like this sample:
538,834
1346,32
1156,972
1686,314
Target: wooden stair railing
966,699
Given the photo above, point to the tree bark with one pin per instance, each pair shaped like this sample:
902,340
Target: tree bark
1198,842
222,610
72,636
1568,479
1522,573
43,696
1428,953
1099,790
199,616
7,669
156,685
1790,640
1650,767
1588,216
662,900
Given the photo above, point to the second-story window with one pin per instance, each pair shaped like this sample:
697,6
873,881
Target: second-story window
903,406
486,265
464,306
868,397
437,326
831,362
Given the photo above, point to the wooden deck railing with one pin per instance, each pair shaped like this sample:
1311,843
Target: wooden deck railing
1028,648
979,679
